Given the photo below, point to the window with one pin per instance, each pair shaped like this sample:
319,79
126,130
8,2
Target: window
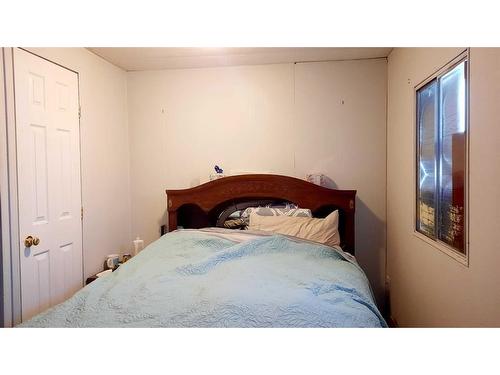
442,123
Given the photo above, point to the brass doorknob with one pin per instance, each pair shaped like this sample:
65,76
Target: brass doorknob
30,240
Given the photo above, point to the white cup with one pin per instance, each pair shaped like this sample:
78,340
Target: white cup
112,261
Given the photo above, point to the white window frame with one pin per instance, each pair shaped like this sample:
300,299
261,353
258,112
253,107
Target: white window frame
462,258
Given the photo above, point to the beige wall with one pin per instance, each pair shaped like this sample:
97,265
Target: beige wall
284,118
428,287
104,153
290,119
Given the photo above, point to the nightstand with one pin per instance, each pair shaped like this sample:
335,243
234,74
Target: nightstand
90,279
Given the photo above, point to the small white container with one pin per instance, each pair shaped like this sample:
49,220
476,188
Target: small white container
138,245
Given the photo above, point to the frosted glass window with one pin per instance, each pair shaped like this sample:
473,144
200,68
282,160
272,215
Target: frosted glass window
441,157
426,117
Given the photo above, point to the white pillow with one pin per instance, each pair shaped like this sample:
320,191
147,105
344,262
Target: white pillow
324,230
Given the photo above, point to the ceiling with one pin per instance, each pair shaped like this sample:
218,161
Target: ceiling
132,59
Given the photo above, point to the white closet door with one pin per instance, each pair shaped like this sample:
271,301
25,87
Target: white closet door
49,190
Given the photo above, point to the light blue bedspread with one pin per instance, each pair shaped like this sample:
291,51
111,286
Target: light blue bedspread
197,279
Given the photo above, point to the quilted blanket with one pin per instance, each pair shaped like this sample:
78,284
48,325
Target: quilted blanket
191,278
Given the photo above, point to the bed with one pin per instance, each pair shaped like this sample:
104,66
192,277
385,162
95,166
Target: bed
201,275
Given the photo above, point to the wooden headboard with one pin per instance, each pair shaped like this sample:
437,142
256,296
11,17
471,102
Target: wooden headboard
200,206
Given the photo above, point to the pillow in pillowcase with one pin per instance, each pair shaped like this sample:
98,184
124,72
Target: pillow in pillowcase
277,211
324,230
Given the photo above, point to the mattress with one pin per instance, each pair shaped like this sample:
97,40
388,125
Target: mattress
224,278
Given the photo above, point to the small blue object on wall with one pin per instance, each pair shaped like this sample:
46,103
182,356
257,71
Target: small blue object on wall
219,173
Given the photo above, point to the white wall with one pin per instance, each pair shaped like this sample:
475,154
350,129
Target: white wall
284,118
5,300
104,153
429,288
347,142
237,117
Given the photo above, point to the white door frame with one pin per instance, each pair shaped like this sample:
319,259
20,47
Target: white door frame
10,251
4,217
10,227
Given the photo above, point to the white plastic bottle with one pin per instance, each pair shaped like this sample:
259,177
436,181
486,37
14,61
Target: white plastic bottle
138,245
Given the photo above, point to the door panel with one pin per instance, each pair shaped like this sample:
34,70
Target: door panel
39,168
67,266
63,169
49,188
42,281
37,90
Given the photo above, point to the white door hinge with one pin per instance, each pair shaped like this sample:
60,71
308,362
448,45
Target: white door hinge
81,213
79,112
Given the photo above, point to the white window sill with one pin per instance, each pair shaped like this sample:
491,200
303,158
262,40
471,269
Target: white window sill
459,257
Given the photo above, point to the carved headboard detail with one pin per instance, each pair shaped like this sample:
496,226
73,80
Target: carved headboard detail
200,206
